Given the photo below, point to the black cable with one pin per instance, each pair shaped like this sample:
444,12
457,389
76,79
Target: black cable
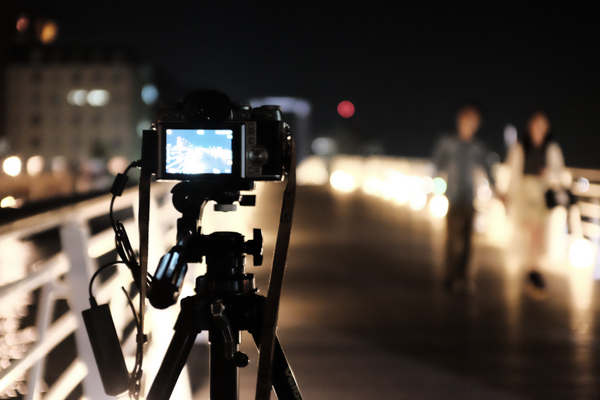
122,244
102,268
118,188
136,374
121,240
135,316
127,255
110,214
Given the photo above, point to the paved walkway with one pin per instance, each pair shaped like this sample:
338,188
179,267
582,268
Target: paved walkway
363,315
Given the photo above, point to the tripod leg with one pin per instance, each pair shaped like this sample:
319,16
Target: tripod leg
284,381
172,364
224,373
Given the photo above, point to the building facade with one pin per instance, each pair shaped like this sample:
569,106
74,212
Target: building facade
76,103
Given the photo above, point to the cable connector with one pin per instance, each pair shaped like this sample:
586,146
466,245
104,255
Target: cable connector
93,302
119,185
121,179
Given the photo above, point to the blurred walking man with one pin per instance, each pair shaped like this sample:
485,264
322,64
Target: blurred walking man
459,156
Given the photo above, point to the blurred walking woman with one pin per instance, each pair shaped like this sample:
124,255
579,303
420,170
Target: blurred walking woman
536,163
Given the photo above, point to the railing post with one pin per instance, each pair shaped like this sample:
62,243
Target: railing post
74,238
44,319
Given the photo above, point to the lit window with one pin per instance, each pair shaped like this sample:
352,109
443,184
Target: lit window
98,98
77,97
12,166
59,164
35,165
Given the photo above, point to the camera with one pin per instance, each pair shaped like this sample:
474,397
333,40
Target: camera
209,138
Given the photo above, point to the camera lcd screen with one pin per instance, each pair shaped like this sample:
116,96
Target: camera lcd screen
199,151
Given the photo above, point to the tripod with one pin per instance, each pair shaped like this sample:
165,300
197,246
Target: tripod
226,300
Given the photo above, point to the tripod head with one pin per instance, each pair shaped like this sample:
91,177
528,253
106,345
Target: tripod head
215,149
190,197
224,251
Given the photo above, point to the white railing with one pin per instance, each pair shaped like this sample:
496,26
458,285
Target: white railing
24,351
586,186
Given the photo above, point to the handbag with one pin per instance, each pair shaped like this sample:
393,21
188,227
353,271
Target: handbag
561,197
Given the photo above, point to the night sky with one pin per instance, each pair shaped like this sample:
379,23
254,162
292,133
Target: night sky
405,68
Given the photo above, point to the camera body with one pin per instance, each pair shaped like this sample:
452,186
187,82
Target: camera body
208,138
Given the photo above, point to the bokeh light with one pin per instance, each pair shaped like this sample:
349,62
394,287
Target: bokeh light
59,165
312,171
22,23
12,166
371,185
581,253
583,185
35,165
427,184
117,165
345,109
402,195
8,202
415,183
149,94
98,98
77,97
342,181
49,32
439,186
324,146
438,206
417,201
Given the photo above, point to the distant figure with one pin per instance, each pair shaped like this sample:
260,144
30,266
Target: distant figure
459,156
536,163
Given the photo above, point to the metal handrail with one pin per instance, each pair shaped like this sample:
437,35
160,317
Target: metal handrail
53,267
66,276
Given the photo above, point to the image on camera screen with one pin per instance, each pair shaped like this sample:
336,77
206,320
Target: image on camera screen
199,151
